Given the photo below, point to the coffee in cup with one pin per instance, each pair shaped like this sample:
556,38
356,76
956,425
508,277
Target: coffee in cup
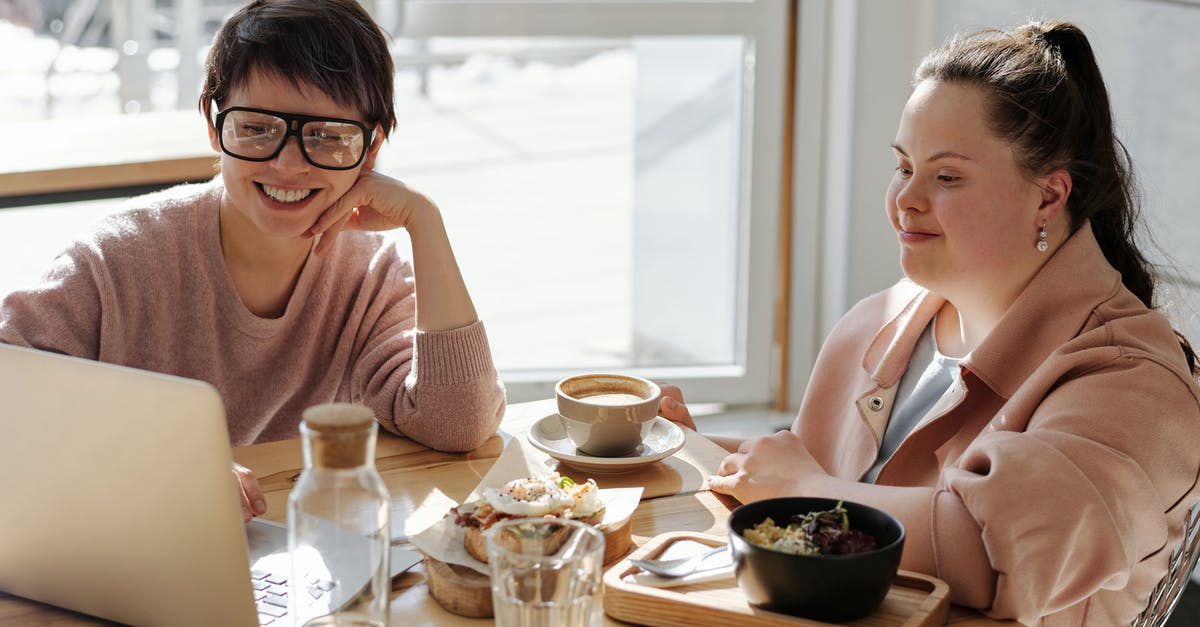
607,415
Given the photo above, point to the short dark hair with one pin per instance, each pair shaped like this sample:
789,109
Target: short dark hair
332,45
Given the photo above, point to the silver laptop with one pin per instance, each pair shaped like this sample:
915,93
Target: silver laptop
117,499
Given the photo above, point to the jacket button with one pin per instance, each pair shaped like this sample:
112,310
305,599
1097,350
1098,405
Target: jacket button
875,403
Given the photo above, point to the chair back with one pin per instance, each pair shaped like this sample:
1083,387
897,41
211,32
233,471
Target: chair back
1166,594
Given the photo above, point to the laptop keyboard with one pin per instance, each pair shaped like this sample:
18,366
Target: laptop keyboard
271,595
271,565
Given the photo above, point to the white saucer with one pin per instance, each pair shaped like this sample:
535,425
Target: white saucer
550,436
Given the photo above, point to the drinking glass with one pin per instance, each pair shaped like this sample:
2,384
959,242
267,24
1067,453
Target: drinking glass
546,572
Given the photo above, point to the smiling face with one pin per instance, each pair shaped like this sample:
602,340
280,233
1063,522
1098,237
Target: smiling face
966,215
283,197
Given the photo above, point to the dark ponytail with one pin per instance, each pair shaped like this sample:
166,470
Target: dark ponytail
1049,101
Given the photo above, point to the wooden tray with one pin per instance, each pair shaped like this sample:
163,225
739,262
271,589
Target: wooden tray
915,600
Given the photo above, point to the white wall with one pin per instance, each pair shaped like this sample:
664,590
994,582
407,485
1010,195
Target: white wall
1149,55
860,54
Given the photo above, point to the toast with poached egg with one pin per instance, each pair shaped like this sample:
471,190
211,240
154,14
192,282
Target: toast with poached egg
553,496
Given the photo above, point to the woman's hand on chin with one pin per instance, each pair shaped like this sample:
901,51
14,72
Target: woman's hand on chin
374,203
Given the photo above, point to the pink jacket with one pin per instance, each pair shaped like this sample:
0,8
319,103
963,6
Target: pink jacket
1057,473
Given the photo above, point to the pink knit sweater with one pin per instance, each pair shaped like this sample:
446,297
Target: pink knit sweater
149,289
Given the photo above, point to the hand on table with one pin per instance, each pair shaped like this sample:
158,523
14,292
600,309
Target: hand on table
767,467
253,501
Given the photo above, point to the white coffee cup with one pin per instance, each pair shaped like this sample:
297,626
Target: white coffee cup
607,415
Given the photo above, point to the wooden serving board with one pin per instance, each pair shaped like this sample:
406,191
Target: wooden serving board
915,600
458,589
467,592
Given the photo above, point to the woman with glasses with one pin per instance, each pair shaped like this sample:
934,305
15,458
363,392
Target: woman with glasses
270,282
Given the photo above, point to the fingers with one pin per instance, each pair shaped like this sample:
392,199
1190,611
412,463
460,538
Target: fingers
247,507
362,193
731,476
676,412
254,502
731,464
672,407
374,202
326,238
333,215
725,484
671,391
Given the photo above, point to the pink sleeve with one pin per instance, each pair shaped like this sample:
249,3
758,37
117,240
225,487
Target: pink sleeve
454,400
63,312
438,388
1096,484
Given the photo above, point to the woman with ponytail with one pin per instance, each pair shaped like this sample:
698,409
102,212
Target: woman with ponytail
1017,401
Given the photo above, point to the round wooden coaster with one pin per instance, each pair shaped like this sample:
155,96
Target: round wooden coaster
617,542
467,592
458,589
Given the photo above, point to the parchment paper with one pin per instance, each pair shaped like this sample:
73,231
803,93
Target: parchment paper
443,540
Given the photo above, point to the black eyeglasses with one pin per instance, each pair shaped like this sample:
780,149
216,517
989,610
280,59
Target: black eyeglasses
260,135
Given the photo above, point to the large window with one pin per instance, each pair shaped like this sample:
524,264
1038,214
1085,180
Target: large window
609,171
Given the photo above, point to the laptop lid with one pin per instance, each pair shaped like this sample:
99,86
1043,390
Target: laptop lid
116,495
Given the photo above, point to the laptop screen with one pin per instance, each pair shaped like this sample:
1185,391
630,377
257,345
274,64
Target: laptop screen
118,499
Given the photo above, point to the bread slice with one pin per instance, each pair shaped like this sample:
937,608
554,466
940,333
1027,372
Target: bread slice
594,519
476,543
475,539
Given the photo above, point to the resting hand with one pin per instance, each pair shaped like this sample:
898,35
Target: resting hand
253,501
374,203
767,467
671,406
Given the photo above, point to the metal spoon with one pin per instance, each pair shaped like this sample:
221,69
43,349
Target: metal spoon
677,567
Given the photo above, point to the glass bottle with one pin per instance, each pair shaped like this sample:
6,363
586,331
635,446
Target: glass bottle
338,523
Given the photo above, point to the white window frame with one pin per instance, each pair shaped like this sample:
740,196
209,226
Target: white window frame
763,24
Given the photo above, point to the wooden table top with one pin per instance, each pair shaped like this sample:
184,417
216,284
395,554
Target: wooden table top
674,499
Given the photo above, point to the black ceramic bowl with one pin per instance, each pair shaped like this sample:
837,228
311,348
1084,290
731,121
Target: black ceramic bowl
831,588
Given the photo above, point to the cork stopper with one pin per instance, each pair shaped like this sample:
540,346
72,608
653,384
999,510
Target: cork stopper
341,434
